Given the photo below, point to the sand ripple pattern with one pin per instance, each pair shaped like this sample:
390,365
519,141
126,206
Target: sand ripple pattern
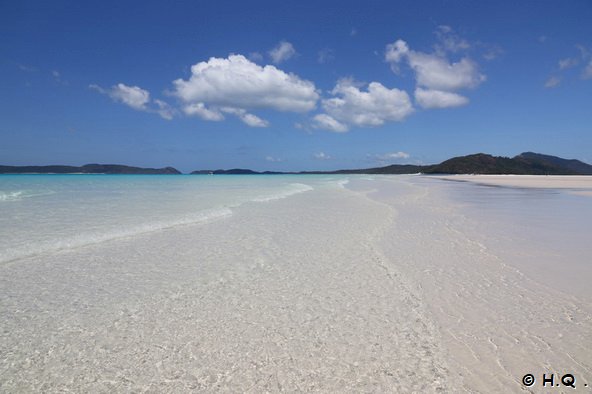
291,295
497,324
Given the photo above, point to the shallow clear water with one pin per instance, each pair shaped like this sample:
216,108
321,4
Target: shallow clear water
544,233
40,213
222,284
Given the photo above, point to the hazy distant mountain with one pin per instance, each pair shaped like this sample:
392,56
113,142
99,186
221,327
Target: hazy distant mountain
234,171
86,169
391,169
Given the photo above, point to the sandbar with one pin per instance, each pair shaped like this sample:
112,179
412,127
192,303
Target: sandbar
583,182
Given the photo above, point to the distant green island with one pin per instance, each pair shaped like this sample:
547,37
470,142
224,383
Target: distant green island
527,163
87,169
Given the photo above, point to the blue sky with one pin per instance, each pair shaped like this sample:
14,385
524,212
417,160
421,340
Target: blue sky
292,85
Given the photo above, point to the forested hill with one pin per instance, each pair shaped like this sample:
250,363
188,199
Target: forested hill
527,163
86,169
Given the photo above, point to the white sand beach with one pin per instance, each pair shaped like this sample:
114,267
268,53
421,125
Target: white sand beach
533,181
387,285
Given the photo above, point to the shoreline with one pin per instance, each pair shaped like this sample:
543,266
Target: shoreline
288,295
524,181
400,293
497,316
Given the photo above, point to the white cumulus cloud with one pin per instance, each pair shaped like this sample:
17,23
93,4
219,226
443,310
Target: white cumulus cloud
353,106
584,58
236,82
200,110
282,52
394,155
253,120
449,41
435,71
164,109
389,157
396,51
321,156
245,117
255,57
553,82
326,122
132,96
492,52
568,63
137,98
428,98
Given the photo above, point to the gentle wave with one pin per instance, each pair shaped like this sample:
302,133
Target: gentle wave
89,239
341,183
21,194
293,188
10,196
96,232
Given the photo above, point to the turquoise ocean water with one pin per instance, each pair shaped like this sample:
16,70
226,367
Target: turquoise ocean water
45,213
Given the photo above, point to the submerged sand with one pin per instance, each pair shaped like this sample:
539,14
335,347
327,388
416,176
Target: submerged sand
384,287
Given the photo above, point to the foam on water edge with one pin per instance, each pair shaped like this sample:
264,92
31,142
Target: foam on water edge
292,189
93,238
11,196
85,238
342,182
18,195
